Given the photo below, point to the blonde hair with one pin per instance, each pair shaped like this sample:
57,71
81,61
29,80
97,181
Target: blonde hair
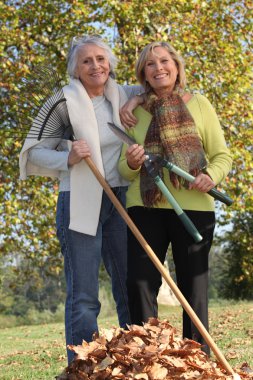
143,57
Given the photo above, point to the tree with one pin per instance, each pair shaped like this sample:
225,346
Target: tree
237,278
35,32
214,39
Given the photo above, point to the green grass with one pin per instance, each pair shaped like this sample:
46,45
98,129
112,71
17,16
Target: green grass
231,327
38,352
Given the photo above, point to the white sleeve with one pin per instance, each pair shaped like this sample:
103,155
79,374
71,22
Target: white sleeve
131,91
47,156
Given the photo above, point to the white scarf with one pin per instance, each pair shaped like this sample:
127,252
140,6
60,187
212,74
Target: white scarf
85,190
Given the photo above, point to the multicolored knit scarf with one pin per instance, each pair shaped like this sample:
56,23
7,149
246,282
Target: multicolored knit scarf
173,135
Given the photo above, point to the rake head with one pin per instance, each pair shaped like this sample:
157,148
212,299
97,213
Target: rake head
44,112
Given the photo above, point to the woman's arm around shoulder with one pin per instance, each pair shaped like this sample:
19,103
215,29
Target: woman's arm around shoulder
135,99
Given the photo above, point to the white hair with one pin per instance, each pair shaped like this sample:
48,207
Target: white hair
79,42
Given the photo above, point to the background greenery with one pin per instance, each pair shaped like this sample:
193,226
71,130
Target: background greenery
213,36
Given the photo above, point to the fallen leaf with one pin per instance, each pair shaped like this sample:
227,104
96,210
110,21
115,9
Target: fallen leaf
153,351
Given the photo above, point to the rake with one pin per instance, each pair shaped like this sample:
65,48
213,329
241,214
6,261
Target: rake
45,115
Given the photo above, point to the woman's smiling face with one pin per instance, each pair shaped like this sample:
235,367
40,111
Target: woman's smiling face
161,71
93,69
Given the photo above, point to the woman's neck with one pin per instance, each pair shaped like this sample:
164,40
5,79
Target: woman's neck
161,93
95,92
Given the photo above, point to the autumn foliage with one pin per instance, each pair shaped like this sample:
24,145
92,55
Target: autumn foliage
213,36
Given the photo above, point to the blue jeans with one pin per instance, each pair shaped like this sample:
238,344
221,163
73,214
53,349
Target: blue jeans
82,257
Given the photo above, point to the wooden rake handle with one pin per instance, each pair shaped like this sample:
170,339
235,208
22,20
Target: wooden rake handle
160,267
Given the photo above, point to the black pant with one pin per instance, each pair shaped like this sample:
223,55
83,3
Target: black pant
160,227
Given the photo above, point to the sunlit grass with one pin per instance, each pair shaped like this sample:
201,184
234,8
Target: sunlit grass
38,352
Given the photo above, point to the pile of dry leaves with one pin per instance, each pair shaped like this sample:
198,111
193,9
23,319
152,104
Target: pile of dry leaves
150,352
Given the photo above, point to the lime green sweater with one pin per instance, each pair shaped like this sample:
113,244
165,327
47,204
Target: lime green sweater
217,154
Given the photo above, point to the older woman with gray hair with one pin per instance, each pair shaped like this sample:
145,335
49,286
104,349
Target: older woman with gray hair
89,228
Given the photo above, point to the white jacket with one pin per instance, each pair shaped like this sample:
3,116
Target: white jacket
85,190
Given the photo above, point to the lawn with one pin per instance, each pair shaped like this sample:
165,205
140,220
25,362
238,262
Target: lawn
38,352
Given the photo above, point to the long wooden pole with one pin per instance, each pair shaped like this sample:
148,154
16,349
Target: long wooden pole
161,268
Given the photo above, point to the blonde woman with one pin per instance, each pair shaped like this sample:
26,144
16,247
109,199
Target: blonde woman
184,129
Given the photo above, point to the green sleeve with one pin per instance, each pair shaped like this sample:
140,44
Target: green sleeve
218,155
